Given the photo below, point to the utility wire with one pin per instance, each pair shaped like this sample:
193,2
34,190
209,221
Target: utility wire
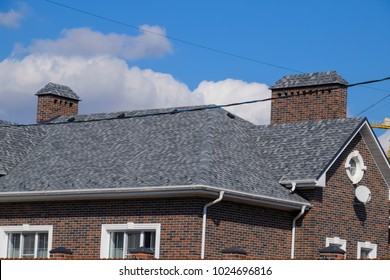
368,82
371,82
200,108
373,105
174,111
196,44
175,38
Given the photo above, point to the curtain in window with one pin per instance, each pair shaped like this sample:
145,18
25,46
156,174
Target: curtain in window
117,243
13,246
43,239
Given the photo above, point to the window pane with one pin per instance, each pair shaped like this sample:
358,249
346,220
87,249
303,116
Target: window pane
134,239
352,164
150,240
13,245
116,250
42,245
28,245
364,253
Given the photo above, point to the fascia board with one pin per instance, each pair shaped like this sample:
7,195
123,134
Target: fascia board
151,192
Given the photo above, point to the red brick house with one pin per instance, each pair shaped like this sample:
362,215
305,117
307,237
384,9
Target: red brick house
193,183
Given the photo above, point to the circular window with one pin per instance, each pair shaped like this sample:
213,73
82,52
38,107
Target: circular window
354,166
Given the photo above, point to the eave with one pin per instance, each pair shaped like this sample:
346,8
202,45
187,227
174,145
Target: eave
153,192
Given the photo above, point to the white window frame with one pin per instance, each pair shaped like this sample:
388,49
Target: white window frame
338,241
367,245
108,228
25,228
360,167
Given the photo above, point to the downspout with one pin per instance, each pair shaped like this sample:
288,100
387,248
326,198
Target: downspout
293,230
204,222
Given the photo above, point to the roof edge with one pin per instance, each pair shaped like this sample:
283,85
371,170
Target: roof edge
366,131
342,148
153,192
377,152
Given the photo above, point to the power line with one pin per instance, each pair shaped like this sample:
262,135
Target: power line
200,108
174,111
175,38
373,105
368,82
375,88
198,45
371,82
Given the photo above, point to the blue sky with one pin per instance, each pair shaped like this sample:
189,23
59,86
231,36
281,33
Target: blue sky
116,67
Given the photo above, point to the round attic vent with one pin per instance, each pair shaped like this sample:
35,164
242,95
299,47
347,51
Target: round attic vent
355,167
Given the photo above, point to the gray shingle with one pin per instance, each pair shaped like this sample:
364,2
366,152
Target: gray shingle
300,151
312,79
200,147
58,90
16,143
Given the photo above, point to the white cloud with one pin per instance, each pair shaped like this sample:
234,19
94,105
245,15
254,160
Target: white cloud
94,65
88,43
107,84
13,18
385,141
232,91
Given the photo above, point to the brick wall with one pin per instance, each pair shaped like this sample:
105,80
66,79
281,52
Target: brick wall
336,212
50,106
327,102
263,233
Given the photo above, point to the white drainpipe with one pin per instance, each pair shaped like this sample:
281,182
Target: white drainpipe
204,222
293,230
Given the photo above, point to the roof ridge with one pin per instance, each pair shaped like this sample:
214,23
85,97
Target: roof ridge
310,121
129,113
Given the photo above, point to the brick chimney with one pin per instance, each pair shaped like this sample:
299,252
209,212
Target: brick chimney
318,96
56,100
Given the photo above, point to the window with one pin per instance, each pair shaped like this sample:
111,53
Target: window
366,250
342,243
118,240
121,243
355,167
26,241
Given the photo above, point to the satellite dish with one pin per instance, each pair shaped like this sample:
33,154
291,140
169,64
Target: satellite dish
363,194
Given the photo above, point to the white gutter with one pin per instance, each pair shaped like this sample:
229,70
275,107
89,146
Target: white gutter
293,231
155,191
205,220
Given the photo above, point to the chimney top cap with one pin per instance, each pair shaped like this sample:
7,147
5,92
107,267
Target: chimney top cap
311,79
58,90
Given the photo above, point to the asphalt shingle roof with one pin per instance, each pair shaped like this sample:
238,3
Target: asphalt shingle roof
312,79
58,90
204,147
16,143
302,150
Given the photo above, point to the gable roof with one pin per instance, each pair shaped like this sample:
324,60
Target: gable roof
205,149
58,90
303,150
312,79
